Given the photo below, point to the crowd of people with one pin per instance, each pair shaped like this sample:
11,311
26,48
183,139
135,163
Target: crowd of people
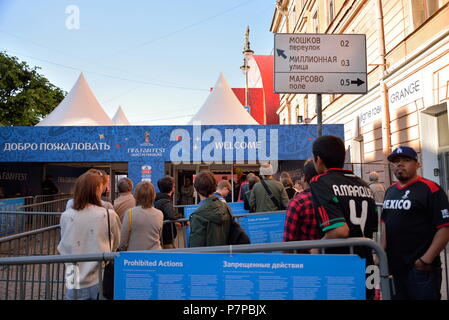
335,203
326,202
134,222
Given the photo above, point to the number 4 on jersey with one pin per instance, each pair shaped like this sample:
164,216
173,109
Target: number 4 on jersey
361,221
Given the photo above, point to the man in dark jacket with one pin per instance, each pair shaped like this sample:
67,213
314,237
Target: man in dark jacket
164,202
210,223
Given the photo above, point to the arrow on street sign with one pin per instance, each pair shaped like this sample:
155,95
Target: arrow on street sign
281,53
359,82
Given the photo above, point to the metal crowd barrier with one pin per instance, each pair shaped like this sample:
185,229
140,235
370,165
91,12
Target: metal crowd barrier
57,205
19,221
35,278
38,280
32,243
44,242
32,216
45,198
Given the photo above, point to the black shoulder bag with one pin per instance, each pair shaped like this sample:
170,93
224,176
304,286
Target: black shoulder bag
236,234
108,274
272,197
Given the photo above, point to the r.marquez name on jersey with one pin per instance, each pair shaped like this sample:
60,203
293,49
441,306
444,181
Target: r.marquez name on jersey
352,191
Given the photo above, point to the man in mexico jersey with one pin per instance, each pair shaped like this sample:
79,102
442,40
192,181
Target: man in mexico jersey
416,218
413,213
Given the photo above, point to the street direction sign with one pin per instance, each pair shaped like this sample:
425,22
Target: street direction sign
320,63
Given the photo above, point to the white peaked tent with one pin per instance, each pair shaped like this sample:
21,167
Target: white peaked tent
79,108
120,118
222,107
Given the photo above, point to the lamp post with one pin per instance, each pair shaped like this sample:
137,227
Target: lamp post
247,54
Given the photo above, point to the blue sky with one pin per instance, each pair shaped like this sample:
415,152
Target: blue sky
157,59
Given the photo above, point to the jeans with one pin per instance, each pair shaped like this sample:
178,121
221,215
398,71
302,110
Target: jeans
418,285
89,293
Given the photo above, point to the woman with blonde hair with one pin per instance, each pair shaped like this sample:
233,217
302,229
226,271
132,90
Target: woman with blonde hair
87,227
142,225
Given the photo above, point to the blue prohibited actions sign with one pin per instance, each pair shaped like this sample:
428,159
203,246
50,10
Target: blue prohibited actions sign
214,276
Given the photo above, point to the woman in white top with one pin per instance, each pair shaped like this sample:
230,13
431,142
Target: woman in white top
84,229
146,222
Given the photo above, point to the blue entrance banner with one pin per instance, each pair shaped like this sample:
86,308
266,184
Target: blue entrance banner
146,149
195,276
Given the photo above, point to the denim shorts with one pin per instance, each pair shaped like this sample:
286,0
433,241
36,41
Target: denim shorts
89,293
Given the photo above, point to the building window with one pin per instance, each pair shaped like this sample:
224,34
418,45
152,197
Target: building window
423,10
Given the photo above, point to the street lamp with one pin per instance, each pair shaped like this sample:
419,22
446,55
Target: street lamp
247,54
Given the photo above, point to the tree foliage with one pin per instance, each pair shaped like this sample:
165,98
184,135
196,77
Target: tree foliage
26,97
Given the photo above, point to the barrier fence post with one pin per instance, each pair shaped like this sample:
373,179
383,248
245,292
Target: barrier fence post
446,273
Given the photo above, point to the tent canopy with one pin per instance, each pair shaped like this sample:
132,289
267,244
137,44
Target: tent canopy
120,118
222,107
79,108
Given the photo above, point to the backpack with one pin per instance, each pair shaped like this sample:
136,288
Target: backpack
236,233
169,231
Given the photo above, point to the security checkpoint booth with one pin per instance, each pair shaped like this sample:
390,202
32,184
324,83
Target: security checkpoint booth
147,153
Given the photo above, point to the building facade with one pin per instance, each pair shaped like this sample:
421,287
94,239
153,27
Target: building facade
407,46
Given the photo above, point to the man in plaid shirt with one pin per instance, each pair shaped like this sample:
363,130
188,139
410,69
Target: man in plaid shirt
300,220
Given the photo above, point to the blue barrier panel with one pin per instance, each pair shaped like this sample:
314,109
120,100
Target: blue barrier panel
265,228
236,207
254,276
8,221
261,228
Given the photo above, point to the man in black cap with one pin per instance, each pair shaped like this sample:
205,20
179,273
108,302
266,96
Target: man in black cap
415,218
